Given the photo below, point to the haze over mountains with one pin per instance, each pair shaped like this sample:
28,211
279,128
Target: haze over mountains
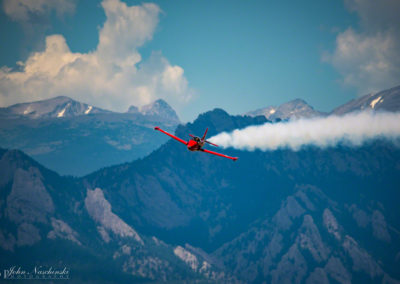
297,108
311,216
53,108
387,100
75,138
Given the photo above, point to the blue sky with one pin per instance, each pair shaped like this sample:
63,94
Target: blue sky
198,55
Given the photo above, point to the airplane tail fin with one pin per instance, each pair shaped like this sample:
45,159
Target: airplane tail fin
205,134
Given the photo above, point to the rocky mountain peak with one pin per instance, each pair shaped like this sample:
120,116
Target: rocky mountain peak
57,107
133,109
387,100
296,108
217,120
158,108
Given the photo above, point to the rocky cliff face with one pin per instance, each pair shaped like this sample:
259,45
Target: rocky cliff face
44,217
100,211
305,243
30,211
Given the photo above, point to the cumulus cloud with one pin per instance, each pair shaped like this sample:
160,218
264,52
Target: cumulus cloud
353,129
112,76
369,59
376,15
35,17
27,10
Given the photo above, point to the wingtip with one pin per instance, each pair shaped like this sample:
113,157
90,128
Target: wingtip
156,128
235,159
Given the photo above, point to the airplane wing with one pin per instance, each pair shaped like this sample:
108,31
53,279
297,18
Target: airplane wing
219,154
170,135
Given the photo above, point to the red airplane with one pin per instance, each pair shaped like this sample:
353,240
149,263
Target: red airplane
196,143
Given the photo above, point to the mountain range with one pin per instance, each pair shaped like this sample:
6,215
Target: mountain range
74,138
297,108
387,100
309,216
57,107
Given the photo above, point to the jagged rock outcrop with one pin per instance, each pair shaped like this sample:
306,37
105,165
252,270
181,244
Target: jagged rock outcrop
28,200
100,210
63,231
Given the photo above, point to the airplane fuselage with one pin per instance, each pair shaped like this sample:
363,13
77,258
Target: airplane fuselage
193,145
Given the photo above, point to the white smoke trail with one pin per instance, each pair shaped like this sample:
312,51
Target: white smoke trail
352,129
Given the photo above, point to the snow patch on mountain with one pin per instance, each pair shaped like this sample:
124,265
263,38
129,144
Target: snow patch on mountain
27,110
51,108
291,110
61,113
387,100
88,110
374,102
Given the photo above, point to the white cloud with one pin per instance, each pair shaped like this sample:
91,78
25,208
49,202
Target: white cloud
25,10
369,59
125,30
112,76
376,15
171,79
352,129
